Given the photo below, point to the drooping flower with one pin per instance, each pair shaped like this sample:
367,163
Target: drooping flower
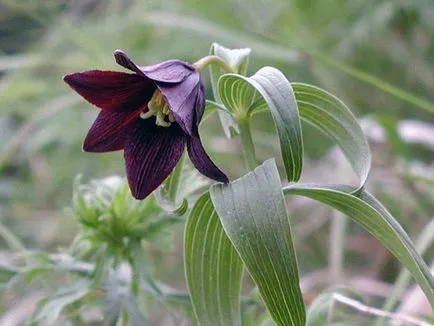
152,114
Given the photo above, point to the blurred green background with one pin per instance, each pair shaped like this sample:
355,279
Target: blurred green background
43,123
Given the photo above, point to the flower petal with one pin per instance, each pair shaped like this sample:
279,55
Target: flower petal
111,90
200,103
151,153
122,59
108,132
182,99
202,162
170,71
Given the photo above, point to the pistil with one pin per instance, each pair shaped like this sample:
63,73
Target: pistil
158,107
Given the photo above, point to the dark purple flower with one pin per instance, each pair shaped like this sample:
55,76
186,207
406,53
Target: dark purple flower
151,114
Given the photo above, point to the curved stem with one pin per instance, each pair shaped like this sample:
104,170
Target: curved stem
215,60
247,144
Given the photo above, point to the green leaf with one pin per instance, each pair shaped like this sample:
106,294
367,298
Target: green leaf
238,60
50,309
102,266
118,298
169,205
134,314
253,214
167,194
211,107
424,242
369,213
237,94
212,266
7,272
331,116
268,88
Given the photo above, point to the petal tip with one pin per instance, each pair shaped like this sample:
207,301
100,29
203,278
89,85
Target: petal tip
224,179
219,176
139,196
69,78
118,54
203,162
124,60
85,148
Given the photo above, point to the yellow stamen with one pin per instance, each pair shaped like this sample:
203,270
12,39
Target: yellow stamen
158,107
146,115
160,120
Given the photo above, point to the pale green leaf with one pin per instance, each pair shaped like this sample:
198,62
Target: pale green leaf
331,116
424,242
268,88
237,94
253,214
211,107
51,308
167,195
119,299
212,266
7,272
369,213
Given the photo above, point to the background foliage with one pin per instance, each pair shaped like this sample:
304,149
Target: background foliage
42,123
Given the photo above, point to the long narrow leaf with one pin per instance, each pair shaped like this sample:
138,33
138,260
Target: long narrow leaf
269,88
253,214
331,116
212,266
369,213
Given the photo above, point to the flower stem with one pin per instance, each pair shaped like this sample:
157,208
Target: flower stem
247,144
214,60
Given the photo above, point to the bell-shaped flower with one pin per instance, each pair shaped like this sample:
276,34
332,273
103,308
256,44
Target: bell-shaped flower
151,114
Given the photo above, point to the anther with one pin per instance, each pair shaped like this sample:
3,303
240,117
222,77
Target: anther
158,107
160,120
147,115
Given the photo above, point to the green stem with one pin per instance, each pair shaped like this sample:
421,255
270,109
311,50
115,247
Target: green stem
247,144
215,60
172,183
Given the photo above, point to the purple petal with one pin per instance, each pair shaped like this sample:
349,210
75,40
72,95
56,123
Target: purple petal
202,162
122,59
200,103
171,71
111,90
108,132
151,153
182,99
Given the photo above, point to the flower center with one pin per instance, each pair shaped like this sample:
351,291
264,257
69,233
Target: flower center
158,107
